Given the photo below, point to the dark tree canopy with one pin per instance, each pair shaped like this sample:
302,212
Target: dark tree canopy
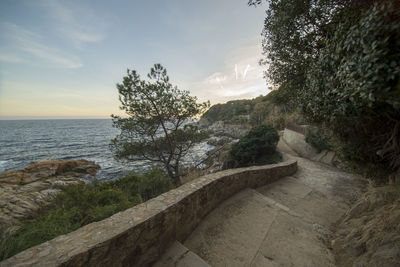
353,86
339,62
295,32
157,127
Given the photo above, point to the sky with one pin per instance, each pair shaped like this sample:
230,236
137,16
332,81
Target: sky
62,59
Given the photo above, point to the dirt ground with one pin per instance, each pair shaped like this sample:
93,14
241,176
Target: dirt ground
369,233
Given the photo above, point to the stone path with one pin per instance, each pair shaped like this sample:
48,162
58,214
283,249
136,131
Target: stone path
179,256
286,223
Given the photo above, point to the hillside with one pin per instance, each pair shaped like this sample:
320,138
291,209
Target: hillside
264,109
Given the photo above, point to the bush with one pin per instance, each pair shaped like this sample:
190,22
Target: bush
357,73
78,205
353,86
341,66
257,147
316,138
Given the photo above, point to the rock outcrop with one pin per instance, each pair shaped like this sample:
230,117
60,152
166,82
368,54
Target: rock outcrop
220,128
297,142
22,192
294,143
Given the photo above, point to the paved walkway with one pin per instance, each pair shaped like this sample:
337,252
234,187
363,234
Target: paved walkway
286,223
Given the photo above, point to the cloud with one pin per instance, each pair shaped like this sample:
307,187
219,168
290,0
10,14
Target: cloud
240,77
25,42
42,52
75,22
10,58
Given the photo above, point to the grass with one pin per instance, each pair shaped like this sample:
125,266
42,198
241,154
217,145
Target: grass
78,205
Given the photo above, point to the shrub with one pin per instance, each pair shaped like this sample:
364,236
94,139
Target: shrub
257,147
353,86
78,205
316,138
339,61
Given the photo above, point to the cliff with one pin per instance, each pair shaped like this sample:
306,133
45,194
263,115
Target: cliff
23,192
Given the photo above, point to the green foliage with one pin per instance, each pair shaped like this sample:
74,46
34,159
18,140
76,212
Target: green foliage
259,113
147,185
79,205
269,109
257,147
354,83
358,157
356,142
339,61
357,73
294,32
156,128
316,138
283,98
230,111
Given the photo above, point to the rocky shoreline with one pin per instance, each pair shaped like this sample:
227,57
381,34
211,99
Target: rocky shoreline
221,128
23,192
224,135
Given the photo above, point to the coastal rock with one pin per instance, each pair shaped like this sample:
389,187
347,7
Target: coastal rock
222,137
220,141
22,192
234,131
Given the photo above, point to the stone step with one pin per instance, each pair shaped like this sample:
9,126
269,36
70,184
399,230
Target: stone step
285,223
334,183
304,201
300,230
232,233
177,255
292,241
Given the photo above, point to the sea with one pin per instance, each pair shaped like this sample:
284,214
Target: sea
25,141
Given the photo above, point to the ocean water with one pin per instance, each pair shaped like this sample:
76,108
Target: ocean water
24,141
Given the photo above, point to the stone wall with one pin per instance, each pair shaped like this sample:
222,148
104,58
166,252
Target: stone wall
139,235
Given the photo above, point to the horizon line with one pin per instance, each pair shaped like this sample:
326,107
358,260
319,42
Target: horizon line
23,118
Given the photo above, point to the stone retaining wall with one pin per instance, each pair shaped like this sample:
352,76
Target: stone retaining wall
297,142
138,236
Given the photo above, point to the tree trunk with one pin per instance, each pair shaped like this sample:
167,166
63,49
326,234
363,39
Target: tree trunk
173,173
176,176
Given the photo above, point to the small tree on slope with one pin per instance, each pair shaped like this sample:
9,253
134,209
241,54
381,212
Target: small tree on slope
156,128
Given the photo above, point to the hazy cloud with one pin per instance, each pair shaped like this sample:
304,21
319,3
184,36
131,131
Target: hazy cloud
241,77
10,58
76,22
26,41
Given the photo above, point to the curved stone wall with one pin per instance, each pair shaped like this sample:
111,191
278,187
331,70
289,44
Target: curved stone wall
138,236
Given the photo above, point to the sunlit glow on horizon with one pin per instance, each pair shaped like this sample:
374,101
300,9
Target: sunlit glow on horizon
62,59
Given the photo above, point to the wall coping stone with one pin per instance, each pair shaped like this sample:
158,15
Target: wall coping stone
138,236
